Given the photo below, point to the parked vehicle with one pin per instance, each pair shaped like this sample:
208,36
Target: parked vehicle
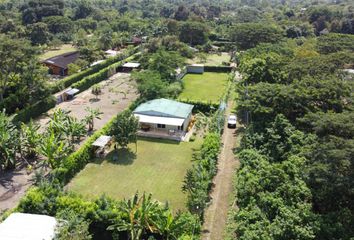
231,122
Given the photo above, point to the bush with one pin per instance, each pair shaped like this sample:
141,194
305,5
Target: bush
201,106
103,74
34,110
68,81
198,180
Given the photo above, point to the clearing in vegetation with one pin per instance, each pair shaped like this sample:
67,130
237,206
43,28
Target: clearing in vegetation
158,167
208,87
65,48
212,59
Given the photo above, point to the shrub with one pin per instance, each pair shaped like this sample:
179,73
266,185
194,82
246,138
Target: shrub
198,180
34,110
68,81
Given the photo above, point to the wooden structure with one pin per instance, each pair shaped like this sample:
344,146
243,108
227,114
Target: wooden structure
58,65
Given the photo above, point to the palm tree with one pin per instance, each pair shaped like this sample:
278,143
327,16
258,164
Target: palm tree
139,214
93,113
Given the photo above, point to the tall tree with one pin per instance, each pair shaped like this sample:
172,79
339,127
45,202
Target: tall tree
13,55
125,129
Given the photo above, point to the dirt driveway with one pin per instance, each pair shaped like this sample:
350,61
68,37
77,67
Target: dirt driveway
216,214
117,93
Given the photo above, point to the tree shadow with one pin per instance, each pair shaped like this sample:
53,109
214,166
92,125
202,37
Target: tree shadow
122,156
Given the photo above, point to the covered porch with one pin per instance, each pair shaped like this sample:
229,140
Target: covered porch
161,127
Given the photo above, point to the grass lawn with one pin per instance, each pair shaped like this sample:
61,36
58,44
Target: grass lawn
158,167
212,59
52,53
208,86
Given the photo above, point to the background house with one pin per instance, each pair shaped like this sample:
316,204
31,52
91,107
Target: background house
58,65
163,118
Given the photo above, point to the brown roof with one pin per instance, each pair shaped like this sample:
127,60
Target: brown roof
63,60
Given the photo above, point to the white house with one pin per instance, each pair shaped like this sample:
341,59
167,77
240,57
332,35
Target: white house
24,226
164,118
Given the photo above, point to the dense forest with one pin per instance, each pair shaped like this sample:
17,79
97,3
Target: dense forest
294,102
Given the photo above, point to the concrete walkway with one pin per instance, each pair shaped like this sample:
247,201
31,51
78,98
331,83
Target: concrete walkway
216,214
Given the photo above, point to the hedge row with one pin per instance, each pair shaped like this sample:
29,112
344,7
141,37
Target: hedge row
78,160
103,74
217,69
44,105
201,106
34,110
68,81
198,180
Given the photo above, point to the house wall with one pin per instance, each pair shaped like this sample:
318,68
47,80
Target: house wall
55,70
186,122
169,127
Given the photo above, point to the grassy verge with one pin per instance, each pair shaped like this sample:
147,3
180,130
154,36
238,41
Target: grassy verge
158,167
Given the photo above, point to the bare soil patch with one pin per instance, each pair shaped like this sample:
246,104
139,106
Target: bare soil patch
117,94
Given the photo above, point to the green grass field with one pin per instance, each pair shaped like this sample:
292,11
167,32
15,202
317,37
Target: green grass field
208,86
158,167
52,53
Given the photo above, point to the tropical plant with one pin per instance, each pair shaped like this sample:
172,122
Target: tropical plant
30,139
139,215
93,113
96,90
8,142
53,149
72,227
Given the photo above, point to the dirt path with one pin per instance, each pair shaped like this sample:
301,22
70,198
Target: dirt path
216,214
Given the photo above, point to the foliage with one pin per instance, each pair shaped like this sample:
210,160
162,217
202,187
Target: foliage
194,33
92,115
198,179
138,217
248,35
35,110
68,81
125,129
150,84
8,142
331,43
72,227
30,139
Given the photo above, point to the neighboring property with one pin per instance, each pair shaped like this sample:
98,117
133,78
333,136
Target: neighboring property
129,66
67,94
195,68
164,118
58,65
24,226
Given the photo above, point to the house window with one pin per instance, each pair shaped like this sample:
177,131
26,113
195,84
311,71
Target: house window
161,126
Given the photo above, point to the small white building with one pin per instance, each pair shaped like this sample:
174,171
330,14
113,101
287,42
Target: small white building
195,68
24,226
164,118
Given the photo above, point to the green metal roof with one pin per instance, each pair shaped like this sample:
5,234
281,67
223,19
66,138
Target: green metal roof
164,108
